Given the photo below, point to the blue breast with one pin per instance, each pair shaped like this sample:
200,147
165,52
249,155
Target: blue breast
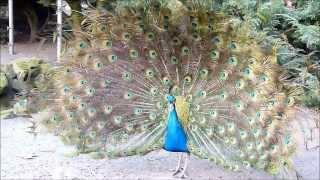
175,138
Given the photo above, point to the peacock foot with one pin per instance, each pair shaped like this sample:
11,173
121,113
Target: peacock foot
177,171
183,175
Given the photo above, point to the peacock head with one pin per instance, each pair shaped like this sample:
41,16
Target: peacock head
171,99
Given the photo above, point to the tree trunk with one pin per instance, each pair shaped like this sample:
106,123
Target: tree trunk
76,15
33,22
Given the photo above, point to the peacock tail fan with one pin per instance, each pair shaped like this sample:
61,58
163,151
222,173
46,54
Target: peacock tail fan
109,95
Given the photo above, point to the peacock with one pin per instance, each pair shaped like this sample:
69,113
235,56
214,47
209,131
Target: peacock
179,76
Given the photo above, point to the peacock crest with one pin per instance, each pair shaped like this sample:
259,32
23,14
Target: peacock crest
110,91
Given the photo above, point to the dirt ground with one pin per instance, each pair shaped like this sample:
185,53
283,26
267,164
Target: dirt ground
24,156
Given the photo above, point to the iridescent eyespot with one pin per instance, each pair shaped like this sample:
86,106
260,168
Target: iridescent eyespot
149,73
82,82
187,79
90,91
82,45
263,78
175,89
213,114
92,111
66,89
70,115
105,83
176,41
233,46
216,40
194,24
128,95
247,71
185,50
174,60
153,54
150,36
154,91
239,84
152,116
133,53
233,61
202,94
223,75
166,81
103,28
98,65
137,111
239,105
107,109
108,43
127,76
214,55
223,95
126,36
204,73
196,36
56,118
117,120
112,58
82,106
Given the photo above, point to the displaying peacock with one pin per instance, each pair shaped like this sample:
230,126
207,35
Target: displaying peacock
176,76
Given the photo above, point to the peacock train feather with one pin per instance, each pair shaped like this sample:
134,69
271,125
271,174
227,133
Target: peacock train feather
109,94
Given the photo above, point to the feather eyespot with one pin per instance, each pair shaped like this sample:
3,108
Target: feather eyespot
127,76
204,73
187,79
154,91
185,50
149,73
166,81
112,58
150,36
128,95
223,75
108,109
133,53
174,60
126,36
176,41
153,54
233,61
214,55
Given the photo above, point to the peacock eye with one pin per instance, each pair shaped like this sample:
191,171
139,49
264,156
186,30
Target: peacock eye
213,114
71,115
83,82
103,28
194,24
203,94
98,65
90,91
214,55
204,73
55,118
233,61
263,78
149,73
233,46
117,120
105,83
152,54
133,53
126,36
187,79
112,58
108,43
253,94
185,50
239,84
137,111
174,60
223,95
82,106
127,76
150,36
176,41
108,109
66,89
154,91
247,71
216,40
223,75
128,95
166,81
82,45
196,36
238,105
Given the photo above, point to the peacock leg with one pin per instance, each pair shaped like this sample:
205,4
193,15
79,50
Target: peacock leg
178,168
184,169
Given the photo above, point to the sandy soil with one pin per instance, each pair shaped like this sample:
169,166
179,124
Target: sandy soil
26,157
